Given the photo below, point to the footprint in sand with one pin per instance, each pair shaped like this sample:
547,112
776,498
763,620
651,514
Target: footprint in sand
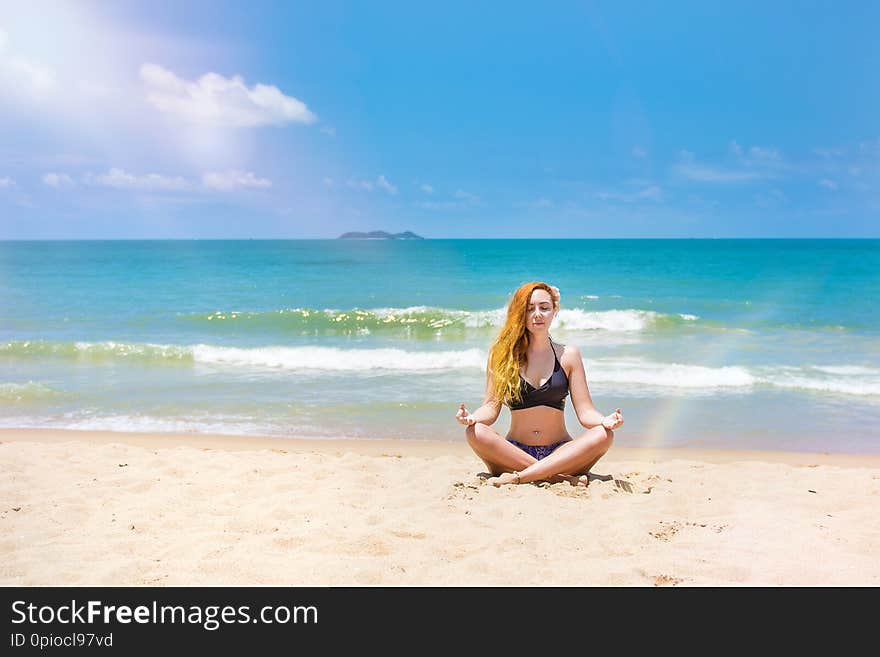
666,530
403,534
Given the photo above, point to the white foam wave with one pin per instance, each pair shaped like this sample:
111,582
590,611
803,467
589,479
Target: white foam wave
469,318
485,318
331,358
134,423
669,375
146,349
574,319
219,425
848,369
20,392
845,379
845,387
606,320
625,320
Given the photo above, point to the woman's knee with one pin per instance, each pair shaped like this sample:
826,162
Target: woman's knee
477,433
470,433
602,437
608,439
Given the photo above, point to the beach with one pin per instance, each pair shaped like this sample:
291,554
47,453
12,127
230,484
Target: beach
281,412
136,509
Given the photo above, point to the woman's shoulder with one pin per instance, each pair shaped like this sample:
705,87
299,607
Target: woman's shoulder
561,347
567,352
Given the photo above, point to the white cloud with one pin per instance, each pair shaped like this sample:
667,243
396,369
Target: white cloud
120,179
6,182
440,205
462,199
233,179
772,199
689,168
828,184
650,193
467,197
756,155
829,153
705,173
767,160
365,185
58,180
427,189
539,204
759,155
383,183
369,185
219,101
116,178
23,78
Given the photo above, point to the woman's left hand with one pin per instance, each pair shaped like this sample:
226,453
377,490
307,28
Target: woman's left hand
613,421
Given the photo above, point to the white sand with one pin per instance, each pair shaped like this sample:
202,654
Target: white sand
101,508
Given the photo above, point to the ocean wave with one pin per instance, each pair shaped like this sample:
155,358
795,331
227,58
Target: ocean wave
291,358
96,351
357,321
26,392
856,370
618,320
137,424
849,379
429,320
331,358
844,379
210,424
668,375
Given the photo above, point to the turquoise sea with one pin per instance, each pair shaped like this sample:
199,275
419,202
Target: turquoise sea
754,344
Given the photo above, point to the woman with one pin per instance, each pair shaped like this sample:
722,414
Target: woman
532,375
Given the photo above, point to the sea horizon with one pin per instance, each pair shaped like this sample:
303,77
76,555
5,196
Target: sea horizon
464,239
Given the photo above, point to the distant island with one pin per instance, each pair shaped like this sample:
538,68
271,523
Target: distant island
380,235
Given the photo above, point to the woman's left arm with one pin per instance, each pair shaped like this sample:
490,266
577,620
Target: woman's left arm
586,412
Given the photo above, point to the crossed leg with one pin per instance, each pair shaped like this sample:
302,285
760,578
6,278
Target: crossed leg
569,462
495,451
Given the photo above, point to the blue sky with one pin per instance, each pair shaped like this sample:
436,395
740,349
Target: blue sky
472,120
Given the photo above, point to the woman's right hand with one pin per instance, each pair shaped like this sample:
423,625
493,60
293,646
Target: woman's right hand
464,417
613,421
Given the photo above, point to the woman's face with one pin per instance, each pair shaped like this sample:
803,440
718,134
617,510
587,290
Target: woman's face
540,312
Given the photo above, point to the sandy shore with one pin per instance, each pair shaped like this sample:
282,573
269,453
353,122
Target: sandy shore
102,508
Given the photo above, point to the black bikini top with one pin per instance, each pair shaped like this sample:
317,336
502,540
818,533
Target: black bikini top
552,393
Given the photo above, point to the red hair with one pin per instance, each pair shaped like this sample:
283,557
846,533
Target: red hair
508,353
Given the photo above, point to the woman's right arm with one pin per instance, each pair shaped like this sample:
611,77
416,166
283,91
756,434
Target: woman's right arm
490,410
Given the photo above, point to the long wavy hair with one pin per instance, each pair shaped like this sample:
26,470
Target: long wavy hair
508,353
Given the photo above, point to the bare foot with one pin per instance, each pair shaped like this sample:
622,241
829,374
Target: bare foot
503,478
576,480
